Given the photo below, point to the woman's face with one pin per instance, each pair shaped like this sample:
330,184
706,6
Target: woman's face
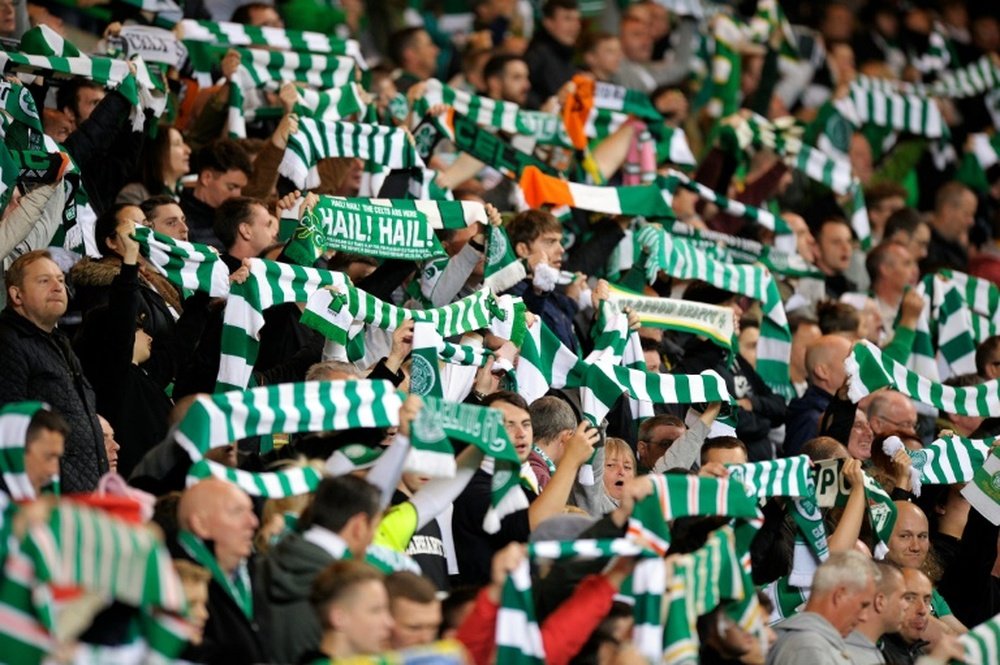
178,155
617,470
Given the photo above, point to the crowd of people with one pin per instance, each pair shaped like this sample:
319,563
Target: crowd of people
562,332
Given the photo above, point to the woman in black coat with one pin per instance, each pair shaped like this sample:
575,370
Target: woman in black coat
114,346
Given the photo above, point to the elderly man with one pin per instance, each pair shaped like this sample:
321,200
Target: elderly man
825,374
217,525
38,364
842,592
886,616
890,412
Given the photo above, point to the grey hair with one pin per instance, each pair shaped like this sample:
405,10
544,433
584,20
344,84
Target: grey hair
844,569
550,416
321,371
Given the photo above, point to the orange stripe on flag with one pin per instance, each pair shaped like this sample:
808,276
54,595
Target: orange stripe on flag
540,189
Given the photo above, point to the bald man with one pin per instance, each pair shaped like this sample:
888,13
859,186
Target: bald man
825,374
217,525
909,546
891,412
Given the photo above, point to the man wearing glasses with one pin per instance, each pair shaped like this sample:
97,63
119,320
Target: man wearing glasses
891,412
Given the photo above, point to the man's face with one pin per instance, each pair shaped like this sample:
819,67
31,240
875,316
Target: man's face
805,243
514,82
900,270
232,526
169,220
916,243
549,244
854,607
606,57
363,616
636,40
880,212
960,216
87,100
261,230
41,458
910,539
660,439
859,443
265,17
414,624
423,54
111,447
834,244
42,299
860,155
8,20
894,605
564,26
517,421
898,415
918,599
218,187
57,125
726,456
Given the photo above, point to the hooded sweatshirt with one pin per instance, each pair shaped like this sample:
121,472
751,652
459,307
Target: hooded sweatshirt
284,580
808,638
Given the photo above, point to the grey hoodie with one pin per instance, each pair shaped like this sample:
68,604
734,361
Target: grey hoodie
809,638
862,651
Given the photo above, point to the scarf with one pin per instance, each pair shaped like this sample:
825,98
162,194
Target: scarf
335,104
646,200
281,484
190,266
224,33
14,421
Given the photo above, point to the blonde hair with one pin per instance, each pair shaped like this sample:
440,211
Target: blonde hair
615,447
191,573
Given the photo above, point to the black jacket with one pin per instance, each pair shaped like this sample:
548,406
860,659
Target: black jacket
36,365
284,580
92,285
106,150
200,220
127,396
550,65
942,253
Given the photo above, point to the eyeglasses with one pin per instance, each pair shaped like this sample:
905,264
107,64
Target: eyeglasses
912,425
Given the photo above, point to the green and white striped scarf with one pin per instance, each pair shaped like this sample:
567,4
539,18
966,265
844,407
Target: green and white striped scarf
982,643
371,227
679,258
223,33
903,113
267,69
518,637
334,104
502,269
950,460
868,370
288,482
780,477
314,406
441,421
341,316
191,266
236,124
546,128
982,297
270,283
946,326
675,496
14,421
674,179
973,79
85,548
388,146
729,248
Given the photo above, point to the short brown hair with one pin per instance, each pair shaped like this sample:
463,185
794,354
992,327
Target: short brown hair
527,226
190,572
408,585
336,581
15,273
662,420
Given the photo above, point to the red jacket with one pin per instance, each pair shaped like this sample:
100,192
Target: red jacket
564,632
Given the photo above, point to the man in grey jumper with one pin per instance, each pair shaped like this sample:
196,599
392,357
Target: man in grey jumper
842,592
886,616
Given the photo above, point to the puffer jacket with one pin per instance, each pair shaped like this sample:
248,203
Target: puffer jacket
36,365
